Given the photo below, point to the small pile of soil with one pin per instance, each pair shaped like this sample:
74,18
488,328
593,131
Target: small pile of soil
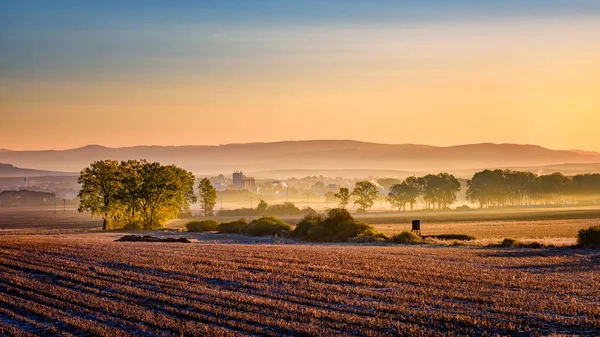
147,238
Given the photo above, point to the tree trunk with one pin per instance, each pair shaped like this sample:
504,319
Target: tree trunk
104,224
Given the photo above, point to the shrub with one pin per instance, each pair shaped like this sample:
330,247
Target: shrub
371,232
337,226
589,236
232,227
287,208
508,242
535,245
265,225
202,226
460,237
512,243
407,237
338,231
309,221
370,235
363,239
238,212
339,214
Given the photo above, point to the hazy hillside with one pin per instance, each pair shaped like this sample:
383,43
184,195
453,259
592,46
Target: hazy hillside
312,155
10,171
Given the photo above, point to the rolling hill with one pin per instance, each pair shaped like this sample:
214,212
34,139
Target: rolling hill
10,171
309,155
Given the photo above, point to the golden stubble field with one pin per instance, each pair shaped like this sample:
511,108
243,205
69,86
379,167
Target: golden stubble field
87,284
558,232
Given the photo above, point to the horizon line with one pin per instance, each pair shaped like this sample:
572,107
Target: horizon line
5,150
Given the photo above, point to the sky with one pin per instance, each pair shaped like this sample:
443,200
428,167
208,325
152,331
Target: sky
123,73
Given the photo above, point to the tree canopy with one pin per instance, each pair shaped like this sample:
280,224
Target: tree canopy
365,192
436,191
135,193
100,187
208,197
402,194
343,196
502,188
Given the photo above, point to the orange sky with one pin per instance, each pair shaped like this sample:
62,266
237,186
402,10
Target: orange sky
517,81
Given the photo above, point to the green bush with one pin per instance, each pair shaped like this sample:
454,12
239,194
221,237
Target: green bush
232,227
265,225
460,237
339,214
309,221
589,236
202,226
407,238
371,232
338,231
337,226
370,235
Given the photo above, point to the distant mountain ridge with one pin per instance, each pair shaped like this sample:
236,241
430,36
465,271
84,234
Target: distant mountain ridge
10,171
308,155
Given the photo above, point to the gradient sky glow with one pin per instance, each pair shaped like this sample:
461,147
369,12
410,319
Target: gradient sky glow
122,73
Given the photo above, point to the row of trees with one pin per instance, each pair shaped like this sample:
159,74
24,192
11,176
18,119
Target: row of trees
436,191
365,193
263,209
501,188
139,194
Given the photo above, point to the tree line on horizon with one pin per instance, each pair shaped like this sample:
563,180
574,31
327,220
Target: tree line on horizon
144,195
506,188
436,191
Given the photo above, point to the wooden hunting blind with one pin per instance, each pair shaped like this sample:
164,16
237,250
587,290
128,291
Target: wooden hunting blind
416,227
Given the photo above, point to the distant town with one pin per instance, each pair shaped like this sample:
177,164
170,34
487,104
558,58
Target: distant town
235,188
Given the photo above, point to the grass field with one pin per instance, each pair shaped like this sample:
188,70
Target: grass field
497,230
553,226
87,284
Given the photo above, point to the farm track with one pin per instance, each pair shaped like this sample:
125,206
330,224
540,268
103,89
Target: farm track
69,286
